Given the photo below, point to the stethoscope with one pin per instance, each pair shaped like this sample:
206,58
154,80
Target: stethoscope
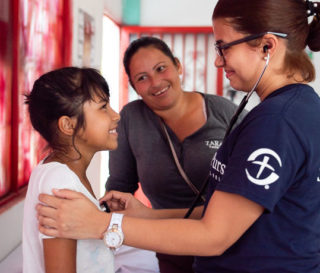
233,120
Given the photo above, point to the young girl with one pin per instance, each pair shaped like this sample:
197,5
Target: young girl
70,108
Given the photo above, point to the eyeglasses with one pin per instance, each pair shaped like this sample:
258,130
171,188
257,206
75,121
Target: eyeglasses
219,48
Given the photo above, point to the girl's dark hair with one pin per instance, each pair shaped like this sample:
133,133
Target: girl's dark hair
143,42
285,16
63,92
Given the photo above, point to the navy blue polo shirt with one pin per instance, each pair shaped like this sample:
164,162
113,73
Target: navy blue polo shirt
273,159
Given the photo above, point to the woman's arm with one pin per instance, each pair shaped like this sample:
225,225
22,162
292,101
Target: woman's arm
227,218
127,204
60,255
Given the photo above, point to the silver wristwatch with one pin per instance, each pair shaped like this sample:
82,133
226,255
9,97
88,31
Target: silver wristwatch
113,237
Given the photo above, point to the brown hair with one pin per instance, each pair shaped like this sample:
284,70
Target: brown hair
63,92
284,16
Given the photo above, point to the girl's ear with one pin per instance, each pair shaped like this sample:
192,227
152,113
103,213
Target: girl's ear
66,125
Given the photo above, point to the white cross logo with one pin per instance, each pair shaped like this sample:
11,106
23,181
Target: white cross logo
273,177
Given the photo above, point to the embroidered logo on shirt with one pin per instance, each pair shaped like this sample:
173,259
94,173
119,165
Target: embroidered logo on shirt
213,144
264,166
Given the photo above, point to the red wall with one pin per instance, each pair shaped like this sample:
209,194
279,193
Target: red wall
35,38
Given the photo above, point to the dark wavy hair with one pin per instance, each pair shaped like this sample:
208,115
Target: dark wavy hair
144,42
63,92
285,16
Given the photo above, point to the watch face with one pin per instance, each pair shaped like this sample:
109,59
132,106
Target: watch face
113,238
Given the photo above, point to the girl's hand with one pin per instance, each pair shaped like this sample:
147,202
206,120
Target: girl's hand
126,203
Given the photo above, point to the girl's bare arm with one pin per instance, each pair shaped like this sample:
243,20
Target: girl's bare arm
60,255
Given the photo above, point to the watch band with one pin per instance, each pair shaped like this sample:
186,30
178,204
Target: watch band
116,219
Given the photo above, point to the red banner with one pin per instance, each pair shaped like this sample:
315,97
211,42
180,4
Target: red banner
40,42
5,96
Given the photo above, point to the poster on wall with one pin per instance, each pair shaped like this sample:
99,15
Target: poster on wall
86,39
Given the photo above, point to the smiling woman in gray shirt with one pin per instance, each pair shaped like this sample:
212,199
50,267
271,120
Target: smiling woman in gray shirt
144,155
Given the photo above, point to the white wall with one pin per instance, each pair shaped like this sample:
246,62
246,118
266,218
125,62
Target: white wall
113,8
11,228
167,12
316,83
177,12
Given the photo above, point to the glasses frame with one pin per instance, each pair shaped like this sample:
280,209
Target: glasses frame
219,48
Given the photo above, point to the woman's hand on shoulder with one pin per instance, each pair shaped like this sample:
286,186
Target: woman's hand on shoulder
69,214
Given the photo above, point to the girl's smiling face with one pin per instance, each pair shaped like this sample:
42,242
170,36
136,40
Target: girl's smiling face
99,131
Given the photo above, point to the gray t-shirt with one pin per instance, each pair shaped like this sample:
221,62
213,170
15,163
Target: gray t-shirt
143,154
